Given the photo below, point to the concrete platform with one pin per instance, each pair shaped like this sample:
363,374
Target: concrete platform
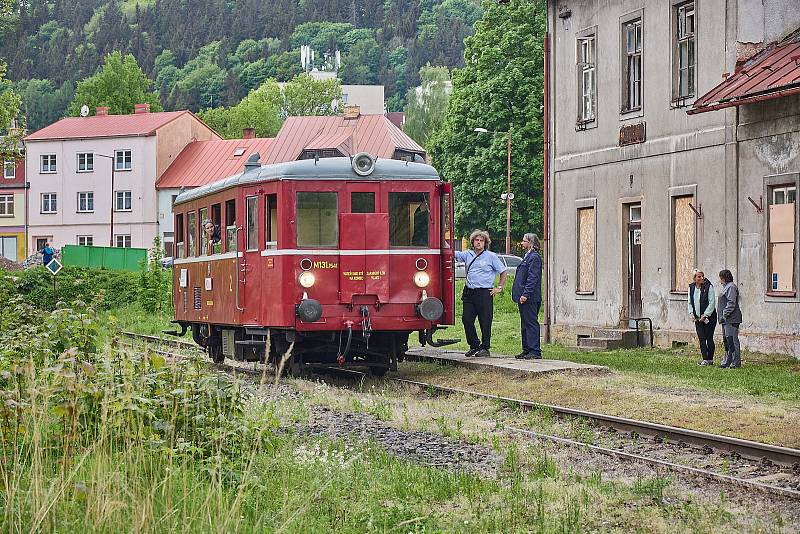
499,362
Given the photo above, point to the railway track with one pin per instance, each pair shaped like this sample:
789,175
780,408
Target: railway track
761,467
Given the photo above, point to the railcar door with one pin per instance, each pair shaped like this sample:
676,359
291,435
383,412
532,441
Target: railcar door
364,229
251,236
447,248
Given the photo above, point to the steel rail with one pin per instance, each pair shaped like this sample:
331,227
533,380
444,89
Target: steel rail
743,447
643,427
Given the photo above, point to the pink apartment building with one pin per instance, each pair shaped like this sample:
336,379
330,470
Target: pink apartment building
71,165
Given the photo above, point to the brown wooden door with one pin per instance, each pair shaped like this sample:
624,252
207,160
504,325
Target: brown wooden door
634,226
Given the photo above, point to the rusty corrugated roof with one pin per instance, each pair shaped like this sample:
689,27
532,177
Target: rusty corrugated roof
368,133
772,73
203,162
134,125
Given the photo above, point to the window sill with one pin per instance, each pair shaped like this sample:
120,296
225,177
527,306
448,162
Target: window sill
84,211
123,170
123,211
6,215
681,103
48,212
85,172
9,177
790,294
48,172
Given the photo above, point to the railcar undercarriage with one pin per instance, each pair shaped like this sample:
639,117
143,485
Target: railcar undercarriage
294,351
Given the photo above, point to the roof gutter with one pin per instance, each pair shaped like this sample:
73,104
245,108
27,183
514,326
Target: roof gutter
746,100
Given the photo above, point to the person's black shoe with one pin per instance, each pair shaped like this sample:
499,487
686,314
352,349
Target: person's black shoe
522,356
483,353
471,352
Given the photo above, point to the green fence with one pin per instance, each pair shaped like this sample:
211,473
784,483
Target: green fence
120,259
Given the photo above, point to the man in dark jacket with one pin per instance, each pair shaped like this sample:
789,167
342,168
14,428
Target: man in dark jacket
527,293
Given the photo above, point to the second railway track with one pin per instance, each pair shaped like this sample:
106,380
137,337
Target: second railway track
762,467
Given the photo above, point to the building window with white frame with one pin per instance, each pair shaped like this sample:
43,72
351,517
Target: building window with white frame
6,205
782,240
632,66
47,163
86,240
123,160
685,57
86,202
123,241
122,201
85,162
587,84
49,203
9,169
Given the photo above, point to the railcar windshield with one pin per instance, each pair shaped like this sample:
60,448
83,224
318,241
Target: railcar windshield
317,219
409,219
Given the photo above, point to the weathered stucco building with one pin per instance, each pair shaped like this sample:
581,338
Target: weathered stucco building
674,145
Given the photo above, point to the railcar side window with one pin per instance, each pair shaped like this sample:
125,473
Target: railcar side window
179,235
317,219
362,202
203,236
272,221
445,220
191,233
252,223
230,226
216,218
409,219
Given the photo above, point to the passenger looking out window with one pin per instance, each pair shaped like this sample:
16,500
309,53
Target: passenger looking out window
409,219
317,219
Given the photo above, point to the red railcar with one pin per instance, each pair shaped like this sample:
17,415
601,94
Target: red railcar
319,261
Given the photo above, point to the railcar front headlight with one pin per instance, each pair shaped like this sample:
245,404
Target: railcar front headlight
421,279
306,279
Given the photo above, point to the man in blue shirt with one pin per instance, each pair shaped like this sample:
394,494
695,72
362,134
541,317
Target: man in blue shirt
47,254
482,266
527,293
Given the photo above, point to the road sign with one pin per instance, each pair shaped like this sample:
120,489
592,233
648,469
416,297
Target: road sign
54,266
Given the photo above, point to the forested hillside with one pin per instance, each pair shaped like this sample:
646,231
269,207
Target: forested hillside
206,53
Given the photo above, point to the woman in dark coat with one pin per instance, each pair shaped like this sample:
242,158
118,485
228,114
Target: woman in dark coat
704,314
730,316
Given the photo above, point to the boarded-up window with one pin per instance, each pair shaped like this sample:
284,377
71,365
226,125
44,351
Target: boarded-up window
683,222
782,213
586,250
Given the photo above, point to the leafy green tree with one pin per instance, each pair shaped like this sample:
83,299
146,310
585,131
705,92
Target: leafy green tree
427,104
500,89
119,84
42,102
304,95
360,64
260,109
9,110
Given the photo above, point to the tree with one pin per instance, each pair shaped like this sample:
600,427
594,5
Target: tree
500,89
119,84
42,102
10,138
427,104
304,95
260,109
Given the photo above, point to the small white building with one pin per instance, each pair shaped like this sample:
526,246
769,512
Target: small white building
92,179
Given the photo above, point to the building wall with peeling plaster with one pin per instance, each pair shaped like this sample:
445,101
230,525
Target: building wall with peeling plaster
720,157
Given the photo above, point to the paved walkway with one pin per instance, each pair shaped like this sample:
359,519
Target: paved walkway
502,363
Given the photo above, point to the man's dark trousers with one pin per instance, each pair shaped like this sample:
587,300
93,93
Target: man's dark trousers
529,323
477,303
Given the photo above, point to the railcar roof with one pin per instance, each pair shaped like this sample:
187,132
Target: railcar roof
322,169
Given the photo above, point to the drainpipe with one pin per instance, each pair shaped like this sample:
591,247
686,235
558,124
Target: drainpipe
546,188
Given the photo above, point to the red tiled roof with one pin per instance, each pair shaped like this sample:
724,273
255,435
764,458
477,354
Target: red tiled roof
135,125
368,133
203,162
772,73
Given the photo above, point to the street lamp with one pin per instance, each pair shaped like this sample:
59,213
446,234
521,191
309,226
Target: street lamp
111,239
508,196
